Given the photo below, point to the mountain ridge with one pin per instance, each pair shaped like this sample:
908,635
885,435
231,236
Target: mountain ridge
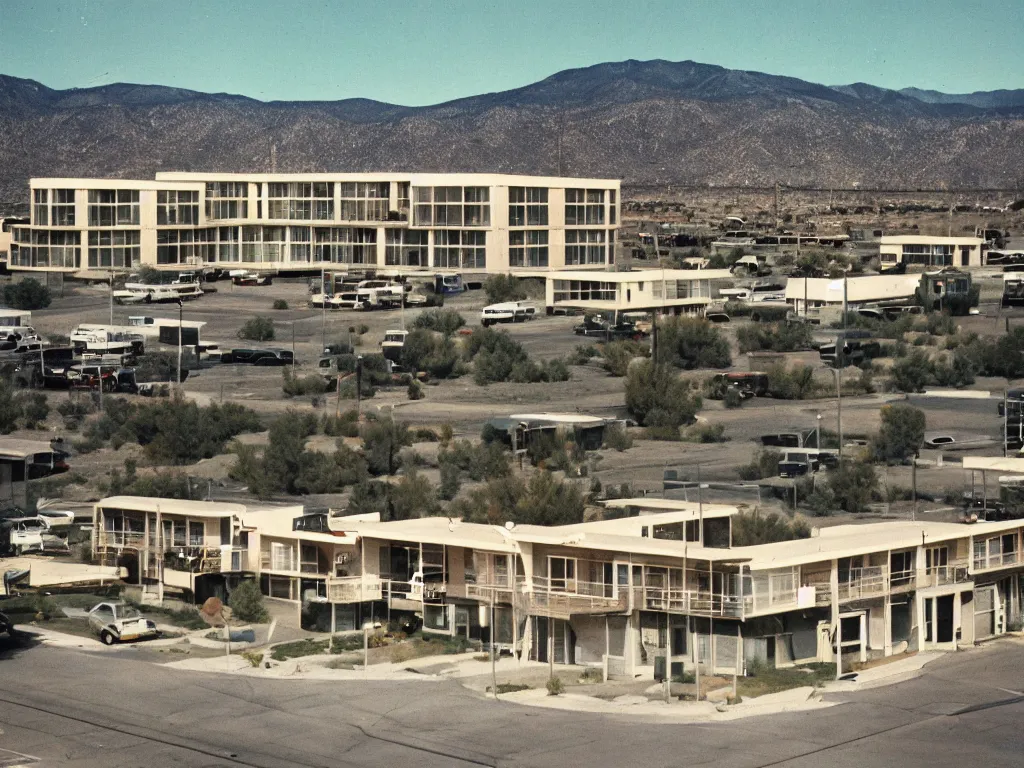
650,122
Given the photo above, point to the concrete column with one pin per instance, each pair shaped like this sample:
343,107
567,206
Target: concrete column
887,631
863,637
834,584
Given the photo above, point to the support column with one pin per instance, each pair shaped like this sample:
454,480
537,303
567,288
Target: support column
836,623
863,637
607,650
887,631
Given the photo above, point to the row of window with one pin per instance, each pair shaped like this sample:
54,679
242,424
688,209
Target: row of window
452,249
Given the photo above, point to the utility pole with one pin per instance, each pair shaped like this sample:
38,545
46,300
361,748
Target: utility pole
180,338
494,669
668,657
323,310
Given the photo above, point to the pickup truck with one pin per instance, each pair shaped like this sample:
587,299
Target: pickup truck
603,330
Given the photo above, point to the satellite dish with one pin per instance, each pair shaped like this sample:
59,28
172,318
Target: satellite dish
509,525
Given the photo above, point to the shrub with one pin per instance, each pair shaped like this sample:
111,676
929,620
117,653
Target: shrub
796,383
424,350
502,288
692,343
255,658
753,527
27,294
764,465
732,398
34,408
901,433
257,329
246,603
345,425
617,438
657,397
555,686
414,390
583,354
382,443
913,372
619,354
310,384
10,408
280,304
707,433
774,337
444,321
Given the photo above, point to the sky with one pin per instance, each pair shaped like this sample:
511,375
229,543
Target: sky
417,52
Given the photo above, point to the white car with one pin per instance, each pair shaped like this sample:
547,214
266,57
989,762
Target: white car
118,622
56,517
32,534
507,312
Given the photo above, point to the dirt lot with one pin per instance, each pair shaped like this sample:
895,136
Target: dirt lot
467,406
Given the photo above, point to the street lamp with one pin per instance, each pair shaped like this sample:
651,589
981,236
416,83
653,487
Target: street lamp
817,433
839,409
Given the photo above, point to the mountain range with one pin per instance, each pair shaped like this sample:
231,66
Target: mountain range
646,122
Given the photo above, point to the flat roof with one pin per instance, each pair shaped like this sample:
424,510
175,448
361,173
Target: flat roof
1013,466
626,545
842,541
12,447
637,275
561,418
45,572
440,530
279,521
483,178
669,510
172,506
929,240
94,183
858,289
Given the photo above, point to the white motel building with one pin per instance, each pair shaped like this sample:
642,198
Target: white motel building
363,222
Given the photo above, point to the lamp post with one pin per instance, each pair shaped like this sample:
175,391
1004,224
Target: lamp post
839,411
817,432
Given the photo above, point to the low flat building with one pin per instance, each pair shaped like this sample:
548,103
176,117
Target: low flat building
808,295
670,291
928,252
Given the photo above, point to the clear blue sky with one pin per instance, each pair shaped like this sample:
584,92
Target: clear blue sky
419,52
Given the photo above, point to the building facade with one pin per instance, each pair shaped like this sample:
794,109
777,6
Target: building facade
633,596
388,222
670,291
929,251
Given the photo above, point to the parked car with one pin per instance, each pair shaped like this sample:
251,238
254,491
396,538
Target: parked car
6,625
118,622
717,317
940,441
598,328
506,312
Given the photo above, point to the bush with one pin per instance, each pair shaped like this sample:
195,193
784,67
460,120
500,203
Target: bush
691,343
657,397
27,294
707,433
583,354
901,433
912,373
502,288
424,350
796,383
555,686
617,438
444,321
34,408
345,425
255,658
310,384
732,398
619,354
382,443
752,527
764,465
257,329
280,304
774,337
496,356
246,603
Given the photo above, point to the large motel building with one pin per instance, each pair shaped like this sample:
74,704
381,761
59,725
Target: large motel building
621,595
363,222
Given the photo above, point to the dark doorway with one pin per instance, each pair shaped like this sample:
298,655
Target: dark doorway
944,619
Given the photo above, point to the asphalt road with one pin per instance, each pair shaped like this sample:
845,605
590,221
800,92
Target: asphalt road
73,708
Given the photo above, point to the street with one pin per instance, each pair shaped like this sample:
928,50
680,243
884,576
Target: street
73,708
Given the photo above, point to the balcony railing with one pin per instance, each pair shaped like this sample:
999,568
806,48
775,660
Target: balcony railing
354,589
955,572
502,592
121,540
562,598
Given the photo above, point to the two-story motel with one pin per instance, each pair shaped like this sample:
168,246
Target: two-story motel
361,222
615,594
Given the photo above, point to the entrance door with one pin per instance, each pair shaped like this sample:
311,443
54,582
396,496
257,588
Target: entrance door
461,622
965,256
541,642
984,612
944,619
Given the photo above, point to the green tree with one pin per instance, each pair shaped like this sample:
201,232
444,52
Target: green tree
246,603
852,485
657,397
27,294
912,373
444,321
619,354
34,408
257,329
753,527
502,288
901,433
691,343
794,383
774,337
412,496
382,442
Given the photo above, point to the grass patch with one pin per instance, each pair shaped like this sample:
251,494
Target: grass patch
297,649
762,679
186,618
510,687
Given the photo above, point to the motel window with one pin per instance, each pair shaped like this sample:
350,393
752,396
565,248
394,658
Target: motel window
227,200
365,200
452,206
196,536
406,248
457,249
116,248
585,246
63,208
40,208
527,206
177,207
110,207
584,207
345,245
528,248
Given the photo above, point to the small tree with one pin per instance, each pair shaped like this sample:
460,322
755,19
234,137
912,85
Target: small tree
257,329
382,442
901,433
10,409
246,603
693,343
34,408
657,397
501,288
444,321
27,294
